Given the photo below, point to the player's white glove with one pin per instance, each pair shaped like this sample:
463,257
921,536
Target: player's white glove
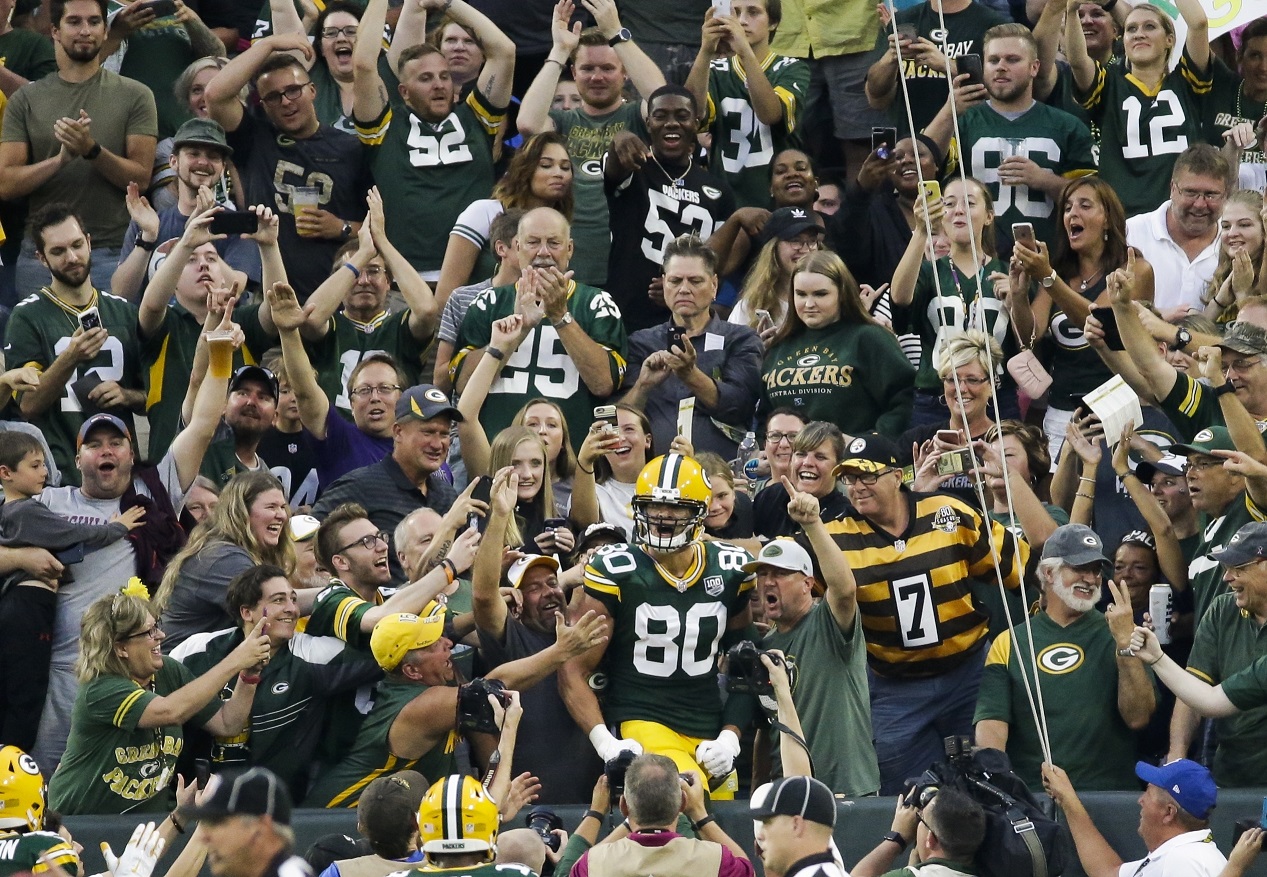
139,856
608,746
718,756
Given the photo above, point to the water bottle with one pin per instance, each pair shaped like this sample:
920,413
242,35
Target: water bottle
747,451
1160,599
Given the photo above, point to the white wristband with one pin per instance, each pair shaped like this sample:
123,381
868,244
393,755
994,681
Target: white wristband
601,739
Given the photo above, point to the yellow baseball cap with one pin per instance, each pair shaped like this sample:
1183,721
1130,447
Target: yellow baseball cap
400,633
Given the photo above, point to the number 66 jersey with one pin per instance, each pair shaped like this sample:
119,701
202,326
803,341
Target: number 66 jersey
661,664
915,589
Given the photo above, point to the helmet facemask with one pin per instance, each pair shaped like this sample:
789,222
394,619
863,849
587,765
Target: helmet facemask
658,529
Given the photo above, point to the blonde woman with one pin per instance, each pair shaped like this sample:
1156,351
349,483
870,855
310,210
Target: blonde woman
249,526
126,729
1239,274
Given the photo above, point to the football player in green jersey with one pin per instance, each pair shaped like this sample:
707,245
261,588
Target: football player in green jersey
23,840
673,600
751,95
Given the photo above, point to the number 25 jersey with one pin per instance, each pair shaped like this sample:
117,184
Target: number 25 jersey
661,664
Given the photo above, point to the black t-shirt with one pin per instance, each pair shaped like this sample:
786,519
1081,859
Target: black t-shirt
769,511
740,524
646,212
272,165
551,746
292,458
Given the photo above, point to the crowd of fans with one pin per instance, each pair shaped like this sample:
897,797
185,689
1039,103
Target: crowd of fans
370,365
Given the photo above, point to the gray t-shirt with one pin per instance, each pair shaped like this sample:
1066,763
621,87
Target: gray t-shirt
101,572
197,604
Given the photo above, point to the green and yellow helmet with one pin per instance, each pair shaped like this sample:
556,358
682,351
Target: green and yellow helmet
671,480
21,791
458,816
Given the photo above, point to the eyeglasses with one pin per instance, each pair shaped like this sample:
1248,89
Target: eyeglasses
348,31
366,541
1200,195
154,633
291,93
971,382
777,438
864,478
802,245
381,389
373,271
1241,365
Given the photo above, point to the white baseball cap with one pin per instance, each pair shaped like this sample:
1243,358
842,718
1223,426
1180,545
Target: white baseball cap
783,554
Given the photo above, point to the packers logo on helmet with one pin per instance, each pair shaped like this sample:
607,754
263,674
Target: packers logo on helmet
670,481
457,816
21,791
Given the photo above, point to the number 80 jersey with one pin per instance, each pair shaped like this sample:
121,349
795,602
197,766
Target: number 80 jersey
661,664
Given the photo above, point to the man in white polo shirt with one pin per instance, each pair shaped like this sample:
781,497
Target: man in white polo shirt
1180,239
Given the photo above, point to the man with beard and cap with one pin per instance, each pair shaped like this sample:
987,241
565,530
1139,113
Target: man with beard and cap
557,338
200,157
82,340
79,136
506,635
253,395
655,195
1093,691
1180,239
106,462
1024,151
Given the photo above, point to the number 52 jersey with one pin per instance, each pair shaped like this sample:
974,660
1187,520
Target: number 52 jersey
661,664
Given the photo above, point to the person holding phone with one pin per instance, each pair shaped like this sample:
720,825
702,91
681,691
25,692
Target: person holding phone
752,98
967,289
1072,277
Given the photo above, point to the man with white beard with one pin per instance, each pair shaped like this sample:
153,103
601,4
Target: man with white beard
1091,690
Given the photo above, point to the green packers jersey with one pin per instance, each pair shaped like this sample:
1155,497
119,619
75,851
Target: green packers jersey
588,138
743,145
111,764
1052,139
20,853
1079,666
370,756
337,612
348,342
1141,133
951,301
915,589
167,357
1227,106
1192,406
662,659
444,166
541,365
40,328
1205,574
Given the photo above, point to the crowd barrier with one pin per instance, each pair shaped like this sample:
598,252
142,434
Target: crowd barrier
859,826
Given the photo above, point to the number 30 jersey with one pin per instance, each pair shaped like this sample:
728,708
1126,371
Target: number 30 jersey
915,590
1141,134
661,664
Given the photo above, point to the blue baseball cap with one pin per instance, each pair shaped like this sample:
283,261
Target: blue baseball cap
1190,784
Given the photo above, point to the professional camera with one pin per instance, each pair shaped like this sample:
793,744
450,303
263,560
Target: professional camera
544,821
475,713
745,674
615,769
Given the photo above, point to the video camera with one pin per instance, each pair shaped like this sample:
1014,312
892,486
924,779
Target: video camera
475,713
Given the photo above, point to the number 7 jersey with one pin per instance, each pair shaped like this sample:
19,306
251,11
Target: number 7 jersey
661,664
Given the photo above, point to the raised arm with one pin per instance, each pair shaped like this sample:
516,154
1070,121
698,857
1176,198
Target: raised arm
223,101
209,400
410,30
490,609
424,307
644,73
1047,33
1140,346
506,336
333,291
534,109
1197,43
1080,61
369,93
1136,699
902,288
313,403
496,77
1174,567
837,579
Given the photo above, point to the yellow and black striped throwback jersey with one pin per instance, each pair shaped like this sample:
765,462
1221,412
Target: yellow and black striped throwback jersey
915,590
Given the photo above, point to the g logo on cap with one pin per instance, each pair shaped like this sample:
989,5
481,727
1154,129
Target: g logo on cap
1205,435
434,395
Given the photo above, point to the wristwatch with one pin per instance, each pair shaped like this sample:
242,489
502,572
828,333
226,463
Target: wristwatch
1223,389
1050,280
92,154
622,36
896,838
562,321
141,244
1182,339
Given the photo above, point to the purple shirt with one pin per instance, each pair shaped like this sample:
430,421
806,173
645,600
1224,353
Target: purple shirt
346,448
731,865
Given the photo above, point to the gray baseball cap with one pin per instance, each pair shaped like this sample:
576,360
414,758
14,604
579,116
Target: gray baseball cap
1076,545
